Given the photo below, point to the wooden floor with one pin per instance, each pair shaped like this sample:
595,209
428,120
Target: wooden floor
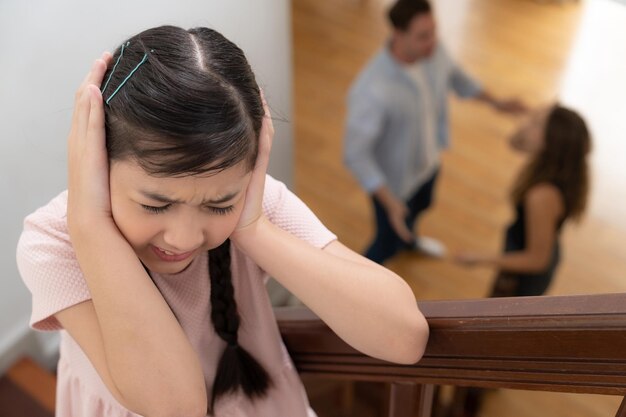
27,390
537,50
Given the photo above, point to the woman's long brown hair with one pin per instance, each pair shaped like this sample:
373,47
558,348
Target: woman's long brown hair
562,162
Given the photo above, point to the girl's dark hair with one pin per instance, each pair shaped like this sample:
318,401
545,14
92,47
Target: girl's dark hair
562,161
403,11
237,368
192,107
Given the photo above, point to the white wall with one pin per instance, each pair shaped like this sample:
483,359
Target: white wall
47,48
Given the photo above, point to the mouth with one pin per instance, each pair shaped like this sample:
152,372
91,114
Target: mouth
168,256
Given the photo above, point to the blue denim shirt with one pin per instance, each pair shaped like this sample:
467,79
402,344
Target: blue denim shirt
384,122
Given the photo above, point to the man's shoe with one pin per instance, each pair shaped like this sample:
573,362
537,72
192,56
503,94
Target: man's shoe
430,247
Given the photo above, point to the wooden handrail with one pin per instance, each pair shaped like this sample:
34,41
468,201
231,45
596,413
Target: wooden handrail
567,343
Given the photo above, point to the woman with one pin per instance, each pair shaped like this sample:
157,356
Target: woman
550,190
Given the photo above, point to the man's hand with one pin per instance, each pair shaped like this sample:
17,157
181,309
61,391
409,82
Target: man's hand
513,106
397,212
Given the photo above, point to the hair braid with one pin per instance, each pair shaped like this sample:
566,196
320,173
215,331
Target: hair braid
236,368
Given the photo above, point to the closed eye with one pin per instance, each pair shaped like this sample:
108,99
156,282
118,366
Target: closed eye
156,210
221,210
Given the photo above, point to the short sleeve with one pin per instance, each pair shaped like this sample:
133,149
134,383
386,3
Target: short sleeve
48,265
288,212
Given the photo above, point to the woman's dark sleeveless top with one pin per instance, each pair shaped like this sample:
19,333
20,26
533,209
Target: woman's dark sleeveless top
515,240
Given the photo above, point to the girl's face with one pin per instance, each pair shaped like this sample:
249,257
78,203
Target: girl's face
168,221
530,137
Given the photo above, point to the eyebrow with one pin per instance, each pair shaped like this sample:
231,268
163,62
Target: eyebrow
163,199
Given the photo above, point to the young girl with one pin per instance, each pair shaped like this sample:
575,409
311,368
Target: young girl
550,190
153,262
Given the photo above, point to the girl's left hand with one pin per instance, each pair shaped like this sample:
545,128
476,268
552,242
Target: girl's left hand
253,209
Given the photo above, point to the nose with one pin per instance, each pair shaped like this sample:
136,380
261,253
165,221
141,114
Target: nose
184,234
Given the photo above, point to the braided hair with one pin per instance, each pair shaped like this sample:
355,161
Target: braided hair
237,369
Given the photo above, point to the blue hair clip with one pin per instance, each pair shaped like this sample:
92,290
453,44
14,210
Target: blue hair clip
143,60
114,66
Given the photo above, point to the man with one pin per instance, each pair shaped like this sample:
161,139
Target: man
397,126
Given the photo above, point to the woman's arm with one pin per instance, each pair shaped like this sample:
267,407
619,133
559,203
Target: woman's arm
127,330
543,206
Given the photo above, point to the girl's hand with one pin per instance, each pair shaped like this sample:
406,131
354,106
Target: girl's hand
253,209
89,202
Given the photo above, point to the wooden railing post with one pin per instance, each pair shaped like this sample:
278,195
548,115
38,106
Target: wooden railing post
401,399
425,399
407,399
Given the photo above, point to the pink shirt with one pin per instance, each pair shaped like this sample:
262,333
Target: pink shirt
49,268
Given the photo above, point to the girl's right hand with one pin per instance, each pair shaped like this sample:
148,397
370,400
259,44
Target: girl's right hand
253,210
89,203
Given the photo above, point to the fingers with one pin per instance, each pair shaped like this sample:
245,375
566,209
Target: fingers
95,125
406,235
252,210
94,76
79,94
96,73
81,119
82,105
402,230
87,158
265,137
107,57
268,125
263,97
